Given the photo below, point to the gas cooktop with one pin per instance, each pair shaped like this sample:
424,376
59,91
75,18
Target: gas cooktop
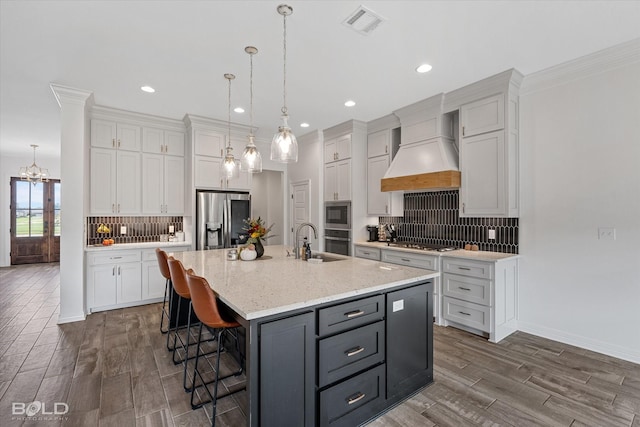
422,246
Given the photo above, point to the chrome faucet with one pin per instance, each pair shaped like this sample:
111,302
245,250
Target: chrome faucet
296,248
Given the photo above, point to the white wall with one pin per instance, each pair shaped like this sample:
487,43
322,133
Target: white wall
580,159
266,202
9,167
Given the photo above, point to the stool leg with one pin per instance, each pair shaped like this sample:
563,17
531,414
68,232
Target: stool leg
176,326
186,355
215,387
195,370
176,337
164,308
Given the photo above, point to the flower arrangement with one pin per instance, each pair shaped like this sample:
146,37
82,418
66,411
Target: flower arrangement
256,229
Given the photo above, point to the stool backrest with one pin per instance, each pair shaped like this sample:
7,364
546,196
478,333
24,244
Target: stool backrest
163,264
205,303
179,278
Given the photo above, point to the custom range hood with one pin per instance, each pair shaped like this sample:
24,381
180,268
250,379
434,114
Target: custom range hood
427,159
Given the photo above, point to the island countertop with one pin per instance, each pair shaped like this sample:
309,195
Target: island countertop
276,283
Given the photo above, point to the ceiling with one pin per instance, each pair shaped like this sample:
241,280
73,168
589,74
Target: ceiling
183,49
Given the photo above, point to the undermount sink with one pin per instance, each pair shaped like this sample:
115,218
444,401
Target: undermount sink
326,258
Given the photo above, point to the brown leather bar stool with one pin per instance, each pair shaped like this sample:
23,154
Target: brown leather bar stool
166,302
205,305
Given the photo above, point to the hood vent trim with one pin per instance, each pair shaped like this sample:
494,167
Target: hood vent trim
432,181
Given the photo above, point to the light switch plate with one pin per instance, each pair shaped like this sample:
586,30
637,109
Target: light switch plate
398,305
492,235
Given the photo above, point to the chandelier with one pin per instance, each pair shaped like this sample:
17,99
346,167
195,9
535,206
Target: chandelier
34,173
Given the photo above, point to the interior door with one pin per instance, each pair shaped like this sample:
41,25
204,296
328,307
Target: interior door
35,221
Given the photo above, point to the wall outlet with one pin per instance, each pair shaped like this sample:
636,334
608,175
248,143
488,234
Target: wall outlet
492,234
171,229
123,229
606,233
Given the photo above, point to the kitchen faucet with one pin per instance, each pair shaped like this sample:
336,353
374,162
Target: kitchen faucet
296,248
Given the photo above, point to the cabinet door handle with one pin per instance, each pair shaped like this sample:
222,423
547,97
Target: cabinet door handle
113,207
463,207
118,270
354,351
464,289
113,271
354,313
462,130
118,207
118,142
464,268
113,142
386,149
466,314
355,397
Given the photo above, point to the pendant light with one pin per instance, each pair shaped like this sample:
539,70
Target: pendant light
34,173
284,146
251,160
229,167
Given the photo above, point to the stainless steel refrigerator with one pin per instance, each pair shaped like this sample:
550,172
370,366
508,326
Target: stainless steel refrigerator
220,219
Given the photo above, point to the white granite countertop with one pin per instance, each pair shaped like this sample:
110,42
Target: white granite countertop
460,253
276,283
126,246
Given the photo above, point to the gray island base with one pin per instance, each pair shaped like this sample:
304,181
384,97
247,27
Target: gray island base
327,344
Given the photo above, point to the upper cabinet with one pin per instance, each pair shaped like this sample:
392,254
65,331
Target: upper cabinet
160,141
489,146
109,134
337,149
381,146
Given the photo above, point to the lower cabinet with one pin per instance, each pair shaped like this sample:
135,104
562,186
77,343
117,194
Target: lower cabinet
287,371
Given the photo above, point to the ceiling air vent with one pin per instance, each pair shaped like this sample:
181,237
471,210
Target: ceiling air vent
363,20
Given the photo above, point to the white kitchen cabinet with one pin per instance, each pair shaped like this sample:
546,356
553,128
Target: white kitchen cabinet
160,141
209,143
378,143
153,282
162,184
480,296
109,134
207,172
367,252
115,182
378,203
113,279
337,180
337,148
482,116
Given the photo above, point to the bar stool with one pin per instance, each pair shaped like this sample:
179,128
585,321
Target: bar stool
166,302
205,305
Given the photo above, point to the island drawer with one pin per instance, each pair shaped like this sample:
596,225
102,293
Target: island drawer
353,401
113,257
349,315
429,262
350,352
467,288
465,267
367,252
467,313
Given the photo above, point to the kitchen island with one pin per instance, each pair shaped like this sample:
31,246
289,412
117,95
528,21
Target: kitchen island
332,343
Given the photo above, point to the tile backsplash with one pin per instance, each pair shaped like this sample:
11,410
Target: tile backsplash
139,228
433,217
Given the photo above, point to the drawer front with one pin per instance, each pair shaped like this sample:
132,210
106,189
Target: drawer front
479,269
467,313
350,315
467,288
350,352
113,257
409,259
354,401
367,252
150,254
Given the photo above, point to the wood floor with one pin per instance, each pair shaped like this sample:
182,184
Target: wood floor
114,369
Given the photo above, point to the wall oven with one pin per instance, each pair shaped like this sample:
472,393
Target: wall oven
337,215
337,241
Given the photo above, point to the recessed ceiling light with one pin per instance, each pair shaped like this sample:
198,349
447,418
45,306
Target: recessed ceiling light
304,125
239,110
349,103
147,89
424,68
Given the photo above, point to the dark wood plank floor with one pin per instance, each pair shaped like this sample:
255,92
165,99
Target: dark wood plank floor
114,369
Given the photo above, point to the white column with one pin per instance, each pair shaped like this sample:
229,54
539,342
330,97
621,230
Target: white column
74,149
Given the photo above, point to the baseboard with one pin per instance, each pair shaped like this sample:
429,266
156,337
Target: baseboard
70,319
580,341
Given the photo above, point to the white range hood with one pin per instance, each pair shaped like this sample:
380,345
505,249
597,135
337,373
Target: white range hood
427,159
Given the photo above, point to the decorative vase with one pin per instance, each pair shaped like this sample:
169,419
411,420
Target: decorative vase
259,248
248,254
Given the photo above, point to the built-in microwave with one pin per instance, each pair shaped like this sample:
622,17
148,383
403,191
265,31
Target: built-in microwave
337,215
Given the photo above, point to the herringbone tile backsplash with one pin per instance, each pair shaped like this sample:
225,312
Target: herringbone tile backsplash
433,217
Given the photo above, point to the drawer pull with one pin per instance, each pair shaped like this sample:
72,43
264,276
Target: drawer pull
355,398
366,253
464,289
354,351
464,268
405,259
466,314
353,314
116,257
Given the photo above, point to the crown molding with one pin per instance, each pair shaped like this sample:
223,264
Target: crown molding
140,119
71,95
389,121
595,63
481,89
344,128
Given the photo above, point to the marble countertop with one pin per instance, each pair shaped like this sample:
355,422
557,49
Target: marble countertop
126,246
276,283
460,253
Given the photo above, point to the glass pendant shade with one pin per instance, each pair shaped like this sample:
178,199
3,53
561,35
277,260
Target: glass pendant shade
229,168
251,160
284,145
